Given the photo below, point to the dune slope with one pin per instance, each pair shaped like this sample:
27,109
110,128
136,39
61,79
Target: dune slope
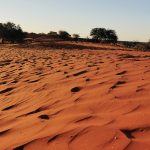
74,99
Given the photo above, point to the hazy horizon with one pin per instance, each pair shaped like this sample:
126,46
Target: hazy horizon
130,18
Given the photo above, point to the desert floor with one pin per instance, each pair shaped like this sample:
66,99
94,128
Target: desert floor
74,99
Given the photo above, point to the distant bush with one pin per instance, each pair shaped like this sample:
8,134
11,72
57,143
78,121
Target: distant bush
31,35
143,46
129,44
11,32
64,35
53,34
76,37
103,35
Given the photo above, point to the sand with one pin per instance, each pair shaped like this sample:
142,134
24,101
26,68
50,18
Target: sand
74,99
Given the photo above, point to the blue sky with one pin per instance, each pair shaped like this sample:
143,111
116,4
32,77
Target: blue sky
130,18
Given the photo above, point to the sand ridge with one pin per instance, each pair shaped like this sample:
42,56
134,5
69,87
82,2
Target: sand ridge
74,99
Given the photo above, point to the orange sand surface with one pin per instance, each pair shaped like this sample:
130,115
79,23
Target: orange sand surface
74,99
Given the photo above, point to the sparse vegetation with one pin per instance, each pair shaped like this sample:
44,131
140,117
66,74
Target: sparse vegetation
53,34
143,46
64,35
11,32
76,37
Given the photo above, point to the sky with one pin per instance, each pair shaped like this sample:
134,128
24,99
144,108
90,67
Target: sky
129,18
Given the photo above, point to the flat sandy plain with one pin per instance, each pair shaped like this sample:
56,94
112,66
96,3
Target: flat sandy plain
74,99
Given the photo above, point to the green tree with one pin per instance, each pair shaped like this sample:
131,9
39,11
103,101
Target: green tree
11,32
2,32
64,35
111,36
98,34
103,35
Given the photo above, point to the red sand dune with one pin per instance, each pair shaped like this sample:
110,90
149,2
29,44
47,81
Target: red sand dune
74,99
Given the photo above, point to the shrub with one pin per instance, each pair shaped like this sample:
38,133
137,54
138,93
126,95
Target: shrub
64,35
53,34
103,35
143,46
10,32
76,37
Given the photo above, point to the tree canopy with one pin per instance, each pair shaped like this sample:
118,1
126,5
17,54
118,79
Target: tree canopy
11,32
64,35
104,35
